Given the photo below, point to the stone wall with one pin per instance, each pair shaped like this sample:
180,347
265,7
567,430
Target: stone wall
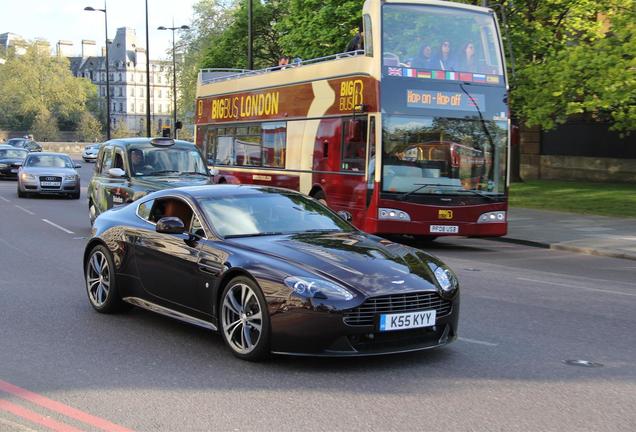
587,169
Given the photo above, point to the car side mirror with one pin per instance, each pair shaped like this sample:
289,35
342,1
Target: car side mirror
116,172
345,215
77,166
170,225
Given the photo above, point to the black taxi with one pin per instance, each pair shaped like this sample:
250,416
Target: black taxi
129,168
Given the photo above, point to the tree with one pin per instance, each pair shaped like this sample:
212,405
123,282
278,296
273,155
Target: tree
37,82
316,28
89,128
121,130
45,126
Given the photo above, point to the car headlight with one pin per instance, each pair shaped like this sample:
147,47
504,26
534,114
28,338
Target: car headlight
27,176
446,279
492,217
70,177
393,214
317,288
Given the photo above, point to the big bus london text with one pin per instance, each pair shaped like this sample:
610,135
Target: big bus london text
409,136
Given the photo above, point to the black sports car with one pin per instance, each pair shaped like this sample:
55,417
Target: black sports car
272,270
11,160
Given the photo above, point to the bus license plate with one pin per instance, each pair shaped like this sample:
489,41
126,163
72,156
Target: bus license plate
447,229
47,183
407,320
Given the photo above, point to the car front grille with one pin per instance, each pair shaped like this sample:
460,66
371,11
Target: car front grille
366,313
50,179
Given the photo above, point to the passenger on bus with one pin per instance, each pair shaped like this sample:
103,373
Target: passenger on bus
443,59
423,58
283,62
357,42
468,62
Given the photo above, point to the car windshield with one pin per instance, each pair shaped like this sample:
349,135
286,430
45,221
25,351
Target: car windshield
10,153
270,213
17,142
49,161
152,161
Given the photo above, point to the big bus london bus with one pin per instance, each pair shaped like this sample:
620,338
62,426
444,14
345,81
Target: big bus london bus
409,136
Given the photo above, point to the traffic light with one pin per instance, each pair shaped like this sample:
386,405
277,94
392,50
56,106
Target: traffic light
165,132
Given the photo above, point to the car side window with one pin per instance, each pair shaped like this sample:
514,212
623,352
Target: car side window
107,160
118,162
176,207
144,209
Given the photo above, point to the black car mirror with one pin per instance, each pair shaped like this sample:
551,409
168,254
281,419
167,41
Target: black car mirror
170,225
77,166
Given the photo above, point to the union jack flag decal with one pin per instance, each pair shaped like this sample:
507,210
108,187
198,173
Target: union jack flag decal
395,71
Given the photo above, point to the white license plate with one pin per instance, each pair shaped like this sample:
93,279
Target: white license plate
14,170
448,229
45,183
407,320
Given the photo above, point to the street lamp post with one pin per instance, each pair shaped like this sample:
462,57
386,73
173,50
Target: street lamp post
250,36
174,74
148,126
92,9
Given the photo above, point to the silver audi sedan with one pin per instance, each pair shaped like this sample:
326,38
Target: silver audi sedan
49,173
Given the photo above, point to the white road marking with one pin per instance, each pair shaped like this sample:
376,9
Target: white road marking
577,287
57,226
4,199
478,342
25,210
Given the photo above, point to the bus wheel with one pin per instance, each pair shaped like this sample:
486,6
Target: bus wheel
320,197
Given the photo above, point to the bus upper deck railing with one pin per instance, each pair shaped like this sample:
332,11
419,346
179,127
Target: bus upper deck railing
208,76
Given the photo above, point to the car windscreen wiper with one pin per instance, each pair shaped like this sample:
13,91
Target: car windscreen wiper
161,172
419,187
192,173
268,233
461,189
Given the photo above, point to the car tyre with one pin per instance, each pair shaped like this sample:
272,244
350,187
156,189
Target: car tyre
21,194
101,285
244,319
75,195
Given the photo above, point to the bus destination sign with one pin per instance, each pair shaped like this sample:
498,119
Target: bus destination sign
444,100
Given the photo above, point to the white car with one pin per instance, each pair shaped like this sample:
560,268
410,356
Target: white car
90,153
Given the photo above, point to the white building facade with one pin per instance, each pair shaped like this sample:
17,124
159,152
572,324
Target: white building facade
127,69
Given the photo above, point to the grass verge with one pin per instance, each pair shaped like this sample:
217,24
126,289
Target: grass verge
607,199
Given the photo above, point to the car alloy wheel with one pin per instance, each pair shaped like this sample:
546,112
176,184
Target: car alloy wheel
98,277
244,319
101,284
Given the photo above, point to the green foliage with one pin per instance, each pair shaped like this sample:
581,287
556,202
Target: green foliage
44,126
567,64
229,49
316,28
120,130
37,82
89,128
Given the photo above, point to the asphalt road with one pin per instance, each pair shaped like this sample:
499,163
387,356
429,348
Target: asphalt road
524,312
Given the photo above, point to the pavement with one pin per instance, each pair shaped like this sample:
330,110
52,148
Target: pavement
592,235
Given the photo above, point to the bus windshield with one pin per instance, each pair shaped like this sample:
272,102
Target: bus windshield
427,155
439,38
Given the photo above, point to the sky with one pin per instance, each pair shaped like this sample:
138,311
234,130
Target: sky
56,20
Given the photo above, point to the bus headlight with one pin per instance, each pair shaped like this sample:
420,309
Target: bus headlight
492,217
393,214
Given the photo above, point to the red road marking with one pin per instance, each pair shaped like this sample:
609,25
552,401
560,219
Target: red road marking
36,418
61,408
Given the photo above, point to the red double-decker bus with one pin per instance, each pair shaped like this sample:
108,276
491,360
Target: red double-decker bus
409,136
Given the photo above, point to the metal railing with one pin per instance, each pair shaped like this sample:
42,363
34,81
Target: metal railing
208,76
